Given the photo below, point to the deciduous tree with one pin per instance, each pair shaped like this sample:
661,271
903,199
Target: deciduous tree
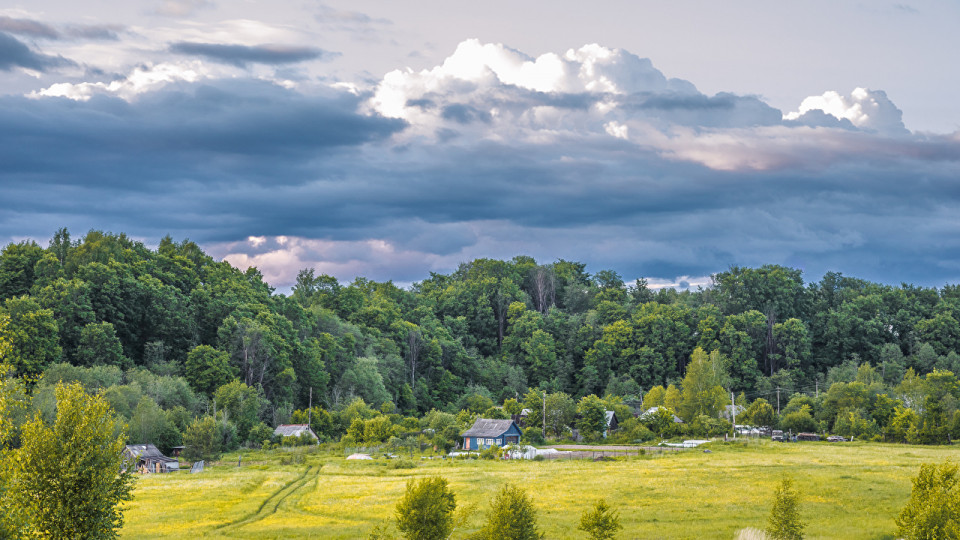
69,476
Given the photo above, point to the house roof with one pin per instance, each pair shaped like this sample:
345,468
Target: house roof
146,452
610,416
486,427
652,410
293,430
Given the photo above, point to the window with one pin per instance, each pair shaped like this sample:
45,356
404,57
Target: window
489,442
499,442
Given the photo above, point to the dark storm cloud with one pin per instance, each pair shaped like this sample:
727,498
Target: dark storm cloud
14,53
242,55
222,161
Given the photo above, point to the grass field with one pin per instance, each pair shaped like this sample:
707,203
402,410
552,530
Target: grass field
851,490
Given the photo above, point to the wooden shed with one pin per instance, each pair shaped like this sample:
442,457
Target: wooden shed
148,459
488,432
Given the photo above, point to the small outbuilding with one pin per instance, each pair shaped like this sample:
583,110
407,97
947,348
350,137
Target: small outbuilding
295,430
611,423
148,459
489,432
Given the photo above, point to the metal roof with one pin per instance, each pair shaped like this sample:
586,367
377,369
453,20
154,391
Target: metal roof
293,430
485,427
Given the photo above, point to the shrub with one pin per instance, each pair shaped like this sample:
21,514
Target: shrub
784,522
512,517
492,452
426,510
259,433
933,510
600,523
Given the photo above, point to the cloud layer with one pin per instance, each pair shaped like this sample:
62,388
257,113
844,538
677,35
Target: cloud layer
592,154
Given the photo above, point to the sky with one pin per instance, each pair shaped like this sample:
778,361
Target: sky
665,140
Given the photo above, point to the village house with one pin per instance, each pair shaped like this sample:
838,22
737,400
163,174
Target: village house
295,430
487,432
148,459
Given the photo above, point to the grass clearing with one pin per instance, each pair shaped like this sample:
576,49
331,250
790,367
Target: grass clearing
849,490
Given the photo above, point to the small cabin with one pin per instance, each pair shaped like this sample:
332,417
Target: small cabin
488,432
295,430
148,459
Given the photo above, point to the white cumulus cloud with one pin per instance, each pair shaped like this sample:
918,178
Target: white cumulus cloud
866,109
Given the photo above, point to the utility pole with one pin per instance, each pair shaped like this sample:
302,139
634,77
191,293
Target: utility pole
544,416
310,409
817,385
733,411
778,401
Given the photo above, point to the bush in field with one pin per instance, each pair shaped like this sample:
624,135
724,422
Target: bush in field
933,511
512,517
600,523
493,452
784,522
426,510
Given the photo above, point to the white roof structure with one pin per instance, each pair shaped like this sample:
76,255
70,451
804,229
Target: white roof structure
294,430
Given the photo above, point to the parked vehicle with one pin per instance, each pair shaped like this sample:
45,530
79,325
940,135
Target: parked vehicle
777,435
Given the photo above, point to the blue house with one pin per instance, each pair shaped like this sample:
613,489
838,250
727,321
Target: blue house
486,433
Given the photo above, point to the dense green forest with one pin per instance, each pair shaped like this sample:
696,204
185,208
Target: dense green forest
173,334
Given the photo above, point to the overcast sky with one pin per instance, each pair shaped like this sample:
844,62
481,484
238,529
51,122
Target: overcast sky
667,140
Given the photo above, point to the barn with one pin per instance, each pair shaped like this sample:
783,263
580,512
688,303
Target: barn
488,432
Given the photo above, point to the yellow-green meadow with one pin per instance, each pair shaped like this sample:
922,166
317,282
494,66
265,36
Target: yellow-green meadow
849,490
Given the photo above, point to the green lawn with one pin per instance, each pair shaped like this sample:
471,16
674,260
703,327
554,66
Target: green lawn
849,490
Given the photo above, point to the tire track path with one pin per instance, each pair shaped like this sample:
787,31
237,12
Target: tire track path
269,506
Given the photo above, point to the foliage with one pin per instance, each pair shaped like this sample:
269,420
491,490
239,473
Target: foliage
69,476
511,517
593,417
784,522
799,421
933,511
208,369
759,413
203,439
703,385
601,522
426,510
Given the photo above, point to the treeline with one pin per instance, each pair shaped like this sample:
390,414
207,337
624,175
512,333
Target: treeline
175,322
